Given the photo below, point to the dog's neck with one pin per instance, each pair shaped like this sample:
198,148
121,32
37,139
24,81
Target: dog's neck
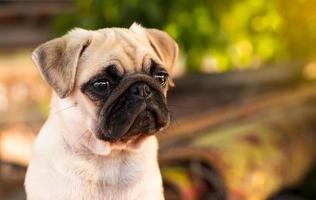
87,176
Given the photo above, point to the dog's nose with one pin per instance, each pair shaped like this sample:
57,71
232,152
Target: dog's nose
140,90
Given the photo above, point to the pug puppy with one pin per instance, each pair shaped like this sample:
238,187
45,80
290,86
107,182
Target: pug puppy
109,101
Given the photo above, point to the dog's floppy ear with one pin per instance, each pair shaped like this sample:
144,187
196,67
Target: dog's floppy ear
164,46
57,60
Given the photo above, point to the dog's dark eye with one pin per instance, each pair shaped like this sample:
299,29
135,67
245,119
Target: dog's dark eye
101,86
162,78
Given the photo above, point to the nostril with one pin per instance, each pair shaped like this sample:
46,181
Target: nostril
147,90
135,90
141,90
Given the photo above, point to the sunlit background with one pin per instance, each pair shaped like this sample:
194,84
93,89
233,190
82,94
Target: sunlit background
241,63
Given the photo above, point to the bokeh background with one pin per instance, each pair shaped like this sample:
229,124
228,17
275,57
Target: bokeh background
241,63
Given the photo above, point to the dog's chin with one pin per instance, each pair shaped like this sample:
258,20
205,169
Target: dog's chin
101,147
132,144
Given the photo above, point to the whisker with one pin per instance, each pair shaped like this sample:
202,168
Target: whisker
64,109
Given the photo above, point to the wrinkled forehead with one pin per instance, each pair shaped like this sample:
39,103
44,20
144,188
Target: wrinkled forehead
128,51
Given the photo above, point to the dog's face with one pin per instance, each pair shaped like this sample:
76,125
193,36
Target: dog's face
117,79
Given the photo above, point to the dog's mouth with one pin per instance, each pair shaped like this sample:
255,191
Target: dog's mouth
127,126
145,122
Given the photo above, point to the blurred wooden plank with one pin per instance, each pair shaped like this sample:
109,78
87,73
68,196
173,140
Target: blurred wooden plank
23,35
205,92
26,23
13,9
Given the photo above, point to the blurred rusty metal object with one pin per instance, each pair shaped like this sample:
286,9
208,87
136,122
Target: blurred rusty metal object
255,157
254,148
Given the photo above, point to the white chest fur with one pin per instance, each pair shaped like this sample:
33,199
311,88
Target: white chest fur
56,172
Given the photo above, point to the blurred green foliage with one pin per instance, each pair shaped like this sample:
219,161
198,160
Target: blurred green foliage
213,35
